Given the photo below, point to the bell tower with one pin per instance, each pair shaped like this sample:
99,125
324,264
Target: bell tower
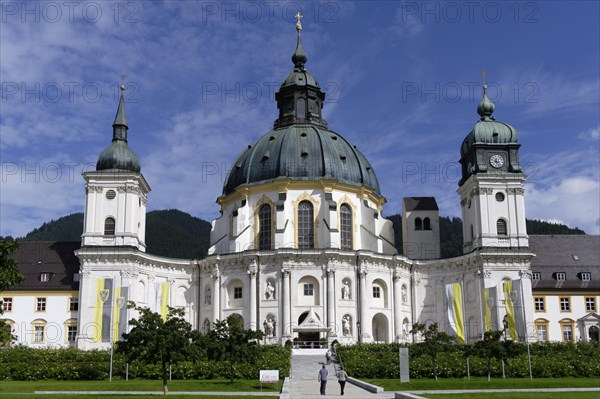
492,184
116,193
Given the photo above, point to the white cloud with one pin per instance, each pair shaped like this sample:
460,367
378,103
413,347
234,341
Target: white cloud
573,200
590,135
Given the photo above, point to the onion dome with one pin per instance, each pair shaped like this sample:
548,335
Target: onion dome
489,137
118,157
301,146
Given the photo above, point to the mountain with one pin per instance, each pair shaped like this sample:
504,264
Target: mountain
170,233
176,234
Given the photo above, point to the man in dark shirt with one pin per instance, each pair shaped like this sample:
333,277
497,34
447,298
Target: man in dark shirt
323,373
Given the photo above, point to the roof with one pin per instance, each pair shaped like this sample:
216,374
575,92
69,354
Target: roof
301,152
569,254
118,157
420,204
56,258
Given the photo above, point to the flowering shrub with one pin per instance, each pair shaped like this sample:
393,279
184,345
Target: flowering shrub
29,364
555,359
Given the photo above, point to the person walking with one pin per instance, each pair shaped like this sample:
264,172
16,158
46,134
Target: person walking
323,374
342,377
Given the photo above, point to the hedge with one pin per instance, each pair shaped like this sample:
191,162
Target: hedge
554,359
28,364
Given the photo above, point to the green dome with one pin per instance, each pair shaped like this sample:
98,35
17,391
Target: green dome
487,130
301,152
118,157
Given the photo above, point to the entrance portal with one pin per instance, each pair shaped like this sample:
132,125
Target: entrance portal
308,338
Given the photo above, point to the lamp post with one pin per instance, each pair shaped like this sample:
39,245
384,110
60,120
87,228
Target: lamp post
358,331
505,323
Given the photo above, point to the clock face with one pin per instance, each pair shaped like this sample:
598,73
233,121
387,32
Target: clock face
496,161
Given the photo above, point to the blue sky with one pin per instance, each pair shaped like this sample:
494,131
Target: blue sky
402,82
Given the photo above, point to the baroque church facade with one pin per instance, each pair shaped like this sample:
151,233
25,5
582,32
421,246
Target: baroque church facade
301,249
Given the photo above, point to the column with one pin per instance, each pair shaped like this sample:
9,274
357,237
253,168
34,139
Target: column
331,301
397,309
364,303
285,294
216,294
253,324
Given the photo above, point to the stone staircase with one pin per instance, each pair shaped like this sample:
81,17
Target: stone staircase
304,384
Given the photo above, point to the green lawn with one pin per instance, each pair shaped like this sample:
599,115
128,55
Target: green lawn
216,385
33,396
482,383
515,395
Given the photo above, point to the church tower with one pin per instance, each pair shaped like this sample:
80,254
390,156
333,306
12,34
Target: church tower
492,184
115,205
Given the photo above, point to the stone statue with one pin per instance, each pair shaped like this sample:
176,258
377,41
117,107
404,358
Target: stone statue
345,290
269,327
403,294
270,291
346,326
207,296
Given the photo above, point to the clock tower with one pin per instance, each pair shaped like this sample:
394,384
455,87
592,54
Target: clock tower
492,184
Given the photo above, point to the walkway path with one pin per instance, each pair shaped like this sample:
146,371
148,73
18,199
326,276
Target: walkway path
304,384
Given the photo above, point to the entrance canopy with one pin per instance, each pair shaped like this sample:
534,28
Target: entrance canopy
311,324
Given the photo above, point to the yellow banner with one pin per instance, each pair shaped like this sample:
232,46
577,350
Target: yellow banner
98,310
164,300
510,310
487,309
455,310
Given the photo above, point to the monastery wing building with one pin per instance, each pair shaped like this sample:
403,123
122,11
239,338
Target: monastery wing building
302,251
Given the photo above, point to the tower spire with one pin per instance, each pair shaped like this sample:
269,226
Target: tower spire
120,124
299,57
486,107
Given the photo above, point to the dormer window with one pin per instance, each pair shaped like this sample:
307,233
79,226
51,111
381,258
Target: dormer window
561,276
536,276
44,277
586,276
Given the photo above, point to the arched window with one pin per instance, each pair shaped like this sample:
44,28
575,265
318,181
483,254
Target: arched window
109,227
264,227
306,226
426,224
501,227
418,224
346,226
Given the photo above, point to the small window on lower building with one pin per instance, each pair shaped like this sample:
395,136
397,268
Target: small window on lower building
71,333
590,304
308,290
542,332
38,334
7,304
237,292
376,292
40,305
567,332
74,304
565,304
540,304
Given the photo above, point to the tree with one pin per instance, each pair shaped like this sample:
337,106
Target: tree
491,347
9,277
229,341
434,341
155,340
